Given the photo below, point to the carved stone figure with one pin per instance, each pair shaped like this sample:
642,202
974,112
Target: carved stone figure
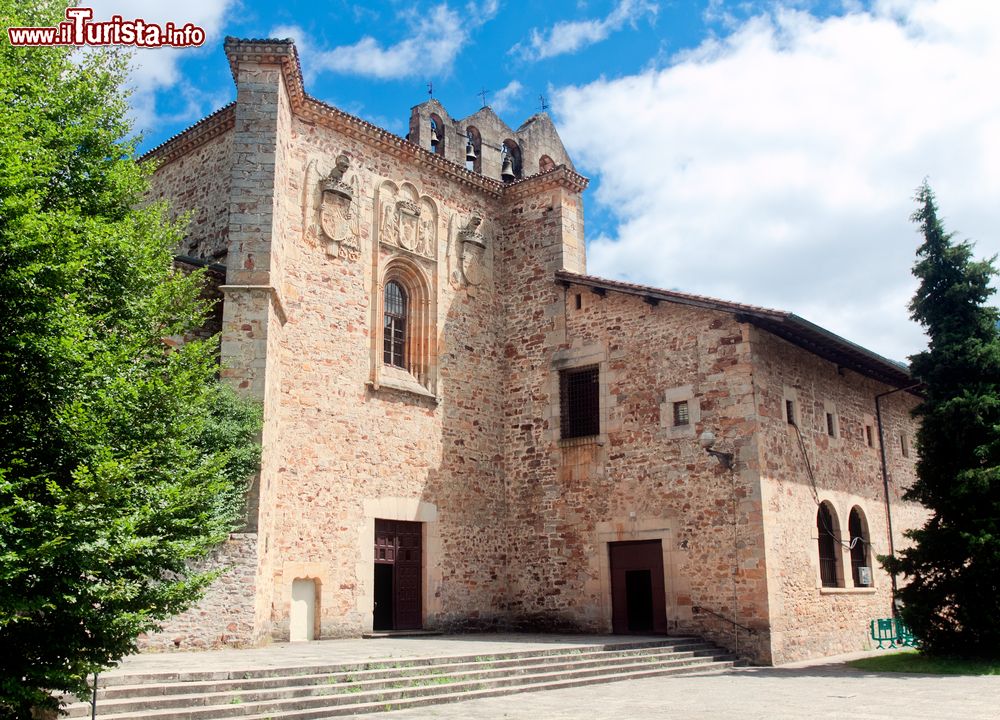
390,225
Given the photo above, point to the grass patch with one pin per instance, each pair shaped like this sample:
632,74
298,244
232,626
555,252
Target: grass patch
911,661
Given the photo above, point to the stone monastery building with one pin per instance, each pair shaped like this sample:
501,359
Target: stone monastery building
464,430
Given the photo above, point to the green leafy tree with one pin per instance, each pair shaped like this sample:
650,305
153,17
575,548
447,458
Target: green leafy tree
952,595
121,458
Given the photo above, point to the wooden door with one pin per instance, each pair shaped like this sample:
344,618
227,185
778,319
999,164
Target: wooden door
398,545
638,598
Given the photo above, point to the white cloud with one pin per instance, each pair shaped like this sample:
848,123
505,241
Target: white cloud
504,98
436,37
776,165
568,36
155,69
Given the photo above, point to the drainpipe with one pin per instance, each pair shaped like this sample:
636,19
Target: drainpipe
885,479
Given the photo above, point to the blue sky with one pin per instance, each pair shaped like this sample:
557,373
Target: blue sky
763,151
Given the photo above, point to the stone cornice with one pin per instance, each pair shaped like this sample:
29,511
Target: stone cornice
561,177
320,113
206,129
283,53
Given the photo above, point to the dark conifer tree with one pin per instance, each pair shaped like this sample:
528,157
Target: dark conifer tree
951,590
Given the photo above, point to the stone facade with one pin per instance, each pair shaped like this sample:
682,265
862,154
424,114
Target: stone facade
319,218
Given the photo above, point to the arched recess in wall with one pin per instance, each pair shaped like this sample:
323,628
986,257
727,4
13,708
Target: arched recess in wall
437,134
411,350
545,163
512,150
475,140
303,613
828,534
857,524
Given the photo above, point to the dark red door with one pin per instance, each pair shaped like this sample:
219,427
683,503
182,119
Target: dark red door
638,602
398,575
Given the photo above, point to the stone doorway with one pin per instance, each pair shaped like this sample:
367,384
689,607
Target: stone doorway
638,603
398,575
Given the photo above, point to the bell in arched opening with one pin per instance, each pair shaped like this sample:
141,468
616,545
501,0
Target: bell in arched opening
507,170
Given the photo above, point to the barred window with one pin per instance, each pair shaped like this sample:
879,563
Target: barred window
828,545
859,548
681,416
579,402
394,313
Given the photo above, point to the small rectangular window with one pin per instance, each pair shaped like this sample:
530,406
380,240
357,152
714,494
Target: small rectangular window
579,402
869,436
681,413
904,445
790,411
831,425
579,301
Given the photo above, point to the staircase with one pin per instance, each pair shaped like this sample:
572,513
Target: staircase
353,688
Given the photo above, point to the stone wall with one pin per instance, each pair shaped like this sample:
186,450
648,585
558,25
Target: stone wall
358,442
808,620
641,478
225,616
197,182
320,211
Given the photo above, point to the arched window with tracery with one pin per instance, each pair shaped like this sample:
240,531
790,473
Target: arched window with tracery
858,527
394,313
826,527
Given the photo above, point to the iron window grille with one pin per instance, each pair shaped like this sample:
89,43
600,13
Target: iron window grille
859,546
681,416
579,402
827,547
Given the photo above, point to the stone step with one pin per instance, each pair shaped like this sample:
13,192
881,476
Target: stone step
358,705
202,694
450,697
408,683
116,677
294,679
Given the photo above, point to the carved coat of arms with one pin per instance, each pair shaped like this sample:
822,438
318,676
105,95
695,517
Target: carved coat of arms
339,211
467,251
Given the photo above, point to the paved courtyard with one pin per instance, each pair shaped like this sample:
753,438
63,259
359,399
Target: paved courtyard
817,690
831,691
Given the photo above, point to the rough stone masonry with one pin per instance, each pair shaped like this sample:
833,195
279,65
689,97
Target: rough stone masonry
416,318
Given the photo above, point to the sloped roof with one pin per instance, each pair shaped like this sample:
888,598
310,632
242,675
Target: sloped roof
784,324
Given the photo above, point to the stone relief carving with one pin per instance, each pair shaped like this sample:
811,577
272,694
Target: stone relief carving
340,212
331,208
406,220
467,247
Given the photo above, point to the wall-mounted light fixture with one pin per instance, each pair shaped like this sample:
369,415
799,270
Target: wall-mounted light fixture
707,440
